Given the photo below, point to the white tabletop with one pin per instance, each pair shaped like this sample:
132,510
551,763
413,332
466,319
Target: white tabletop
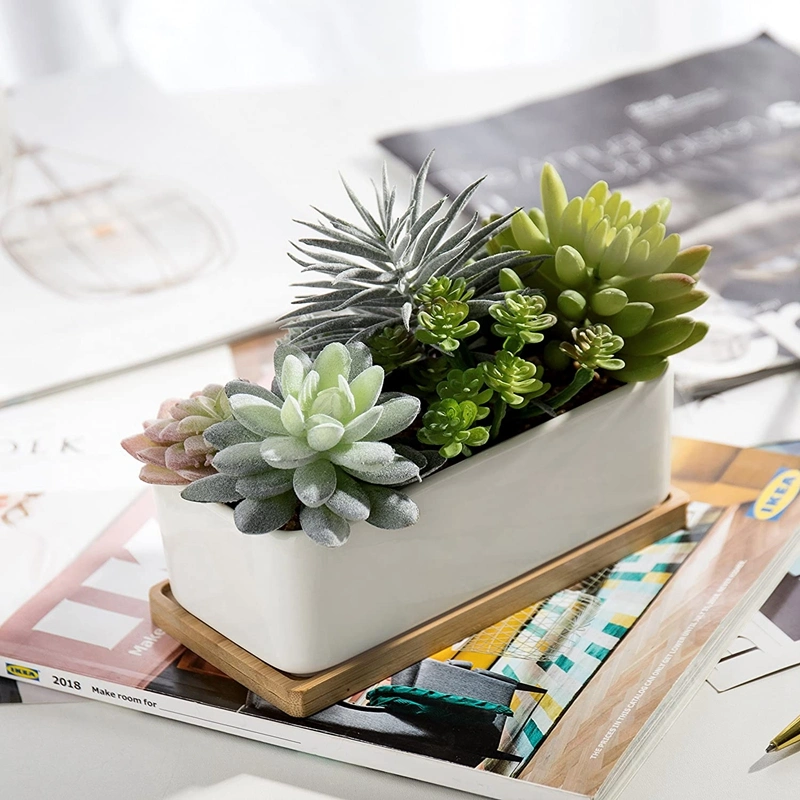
87,751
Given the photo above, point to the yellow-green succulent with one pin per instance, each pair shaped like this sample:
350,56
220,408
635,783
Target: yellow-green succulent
612,265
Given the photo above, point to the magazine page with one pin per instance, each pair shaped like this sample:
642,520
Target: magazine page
124,221
716,133
71,440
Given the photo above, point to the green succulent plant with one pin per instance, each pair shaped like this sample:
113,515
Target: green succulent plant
444,324
172,447
426,375
395,347
609,264
314,445
594,346
515,380
467,384
443,289
449,423
373,273
520,319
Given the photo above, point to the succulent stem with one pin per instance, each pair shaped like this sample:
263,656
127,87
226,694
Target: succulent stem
500,408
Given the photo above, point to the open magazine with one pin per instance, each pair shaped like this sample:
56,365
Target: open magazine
717,133
550,698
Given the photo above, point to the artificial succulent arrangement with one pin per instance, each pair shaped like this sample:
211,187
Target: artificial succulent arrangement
424,339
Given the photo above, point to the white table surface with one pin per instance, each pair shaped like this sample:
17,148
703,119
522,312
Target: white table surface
88,751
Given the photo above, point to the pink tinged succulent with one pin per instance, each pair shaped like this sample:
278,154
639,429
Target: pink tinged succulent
172,446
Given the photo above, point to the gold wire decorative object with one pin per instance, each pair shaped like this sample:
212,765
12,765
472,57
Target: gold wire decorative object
84,228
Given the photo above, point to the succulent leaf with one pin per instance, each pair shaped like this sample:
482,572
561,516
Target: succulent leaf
350,500
224,434
444,324
314,483
643,368
267,483
466,384
324,526
212,489
395,347
660,337
240,460
396,473
390,509
263,516
259,416
245,387
397,413
444,288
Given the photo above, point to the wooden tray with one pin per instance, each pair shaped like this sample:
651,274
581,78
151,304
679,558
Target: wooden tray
303,696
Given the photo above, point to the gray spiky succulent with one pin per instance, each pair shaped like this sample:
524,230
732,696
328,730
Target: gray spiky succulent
314,447
373,274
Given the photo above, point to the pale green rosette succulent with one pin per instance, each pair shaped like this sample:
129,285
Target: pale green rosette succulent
314,444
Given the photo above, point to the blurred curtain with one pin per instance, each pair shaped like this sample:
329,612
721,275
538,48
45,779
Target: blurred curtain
195,45
40,37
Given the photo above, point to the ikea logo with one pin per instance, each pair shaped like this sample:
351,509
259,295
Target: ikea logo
777,495
18,671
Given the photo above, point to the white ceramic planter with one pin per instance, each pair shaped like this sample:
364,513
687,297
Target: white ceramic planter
302,607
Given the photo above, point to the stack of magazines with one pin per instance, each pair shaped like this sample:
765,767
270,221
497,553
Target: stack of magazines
570,693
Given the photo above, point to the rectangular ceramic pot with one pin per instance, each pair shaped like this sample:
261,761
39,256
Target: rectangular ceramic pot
302,608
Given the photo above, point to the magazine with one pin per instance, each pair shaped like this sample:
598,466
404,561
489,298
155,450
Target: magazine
770,641
70,440
510,699
124,220
716,133
12,691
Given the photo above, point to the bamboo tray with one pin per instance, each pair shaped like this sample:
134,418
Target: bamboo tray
301,696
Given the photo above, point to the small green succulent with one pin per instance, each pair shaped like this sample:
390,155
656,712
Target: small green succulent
444,324
314,445
444,288
395,347
595,346
516,381
520,318
448,424
428,373
467,384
